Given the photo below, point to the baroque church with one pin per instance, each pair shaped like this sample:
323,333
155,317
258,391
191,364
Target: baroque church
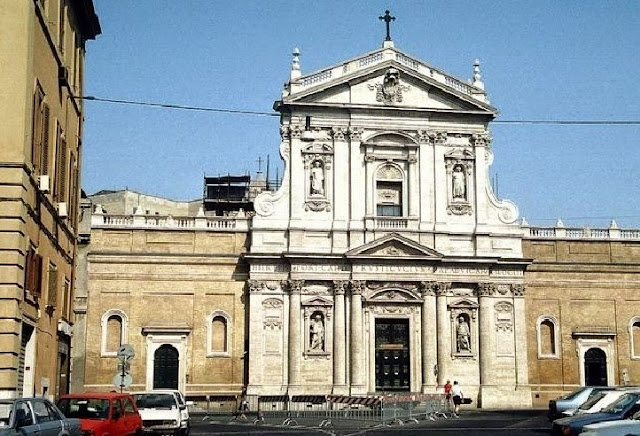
384,263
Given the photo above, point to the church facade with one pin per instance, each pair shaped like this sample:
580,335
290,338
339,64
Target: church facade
385,263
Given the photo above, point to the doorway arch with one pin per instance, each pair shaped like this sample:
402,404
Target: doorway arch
595,367
165,367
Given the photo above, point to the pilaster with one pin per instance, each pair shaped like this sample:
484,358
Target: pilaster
339,341
295,336
442,290
357,340
429,337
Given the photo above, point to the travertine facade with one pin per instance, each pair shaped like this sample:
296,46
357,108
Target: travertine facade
583,310
385,262
42,51
172,288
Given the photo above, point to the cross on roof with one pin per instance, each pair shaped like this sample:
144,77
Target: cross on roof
259,164
387,18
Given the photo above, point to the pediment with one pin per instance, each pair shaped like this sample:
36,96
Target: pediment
463,303
387,79
317,301
393,246
393,294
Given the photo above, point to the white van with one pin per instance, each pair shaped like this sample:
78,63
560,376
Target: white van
163,412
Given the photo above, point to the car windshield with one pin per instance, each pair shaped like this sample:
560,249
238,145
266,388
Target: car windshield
573,394
84,408
621,403
591,401
155,401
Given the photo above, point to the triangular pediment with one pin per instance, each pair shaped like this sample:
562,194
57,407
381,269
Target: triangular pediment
387,78
393,245
316,301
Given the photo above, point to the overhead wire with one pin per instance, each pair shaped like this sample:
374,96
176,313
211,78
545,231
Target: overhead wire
272,114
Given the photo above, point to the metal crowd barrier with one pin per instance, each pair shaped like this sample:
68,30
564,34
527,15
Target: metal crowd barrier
385,409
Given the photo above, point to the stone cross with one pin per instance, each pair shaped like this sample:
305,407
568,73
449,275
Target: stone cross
387,18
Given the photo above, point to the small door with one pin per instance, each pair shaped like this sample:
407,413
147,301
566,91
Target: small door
595,367
165,368
392,355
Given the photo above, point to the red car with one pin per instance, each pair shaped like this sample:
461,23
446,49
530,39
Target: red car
103,413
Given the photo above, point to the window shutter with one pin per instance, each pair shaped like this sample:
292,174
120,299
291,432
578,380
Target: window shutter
36,133
61,169
44,159
52,292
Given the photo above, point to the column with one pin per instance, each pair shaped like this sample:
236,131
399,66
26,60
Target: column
443,331
487,342
414,187
295,341
522,368
339,351
429,337
357,339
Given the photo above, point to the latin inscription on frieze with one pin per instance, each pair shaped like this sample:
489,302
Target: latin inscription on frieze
258,267
309,267
396,269
462,270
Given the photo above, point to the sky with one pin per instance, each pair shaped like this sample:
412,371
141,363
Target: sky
572,60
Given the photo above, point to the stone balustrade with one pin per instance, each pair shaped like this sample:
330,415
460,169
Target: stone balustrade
613,232
371,59
168,222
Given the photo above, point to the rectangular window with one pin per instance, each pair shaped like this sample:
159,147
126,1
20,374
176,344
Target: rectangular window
44,151
61,26
65,302
33,273
61,171
52,288
389,198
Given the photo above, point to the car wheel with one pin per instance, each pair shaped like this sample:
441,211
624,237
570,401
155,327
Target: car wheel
186,431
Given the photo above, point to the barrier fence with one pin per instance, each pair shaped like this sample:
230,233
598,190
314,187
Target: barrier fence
384,409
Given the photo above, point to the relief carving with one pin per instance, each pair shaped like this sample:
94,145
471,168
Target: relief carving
390,90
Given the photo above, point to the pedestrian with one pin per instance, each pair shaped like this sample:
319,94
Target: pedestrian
456,392
447,390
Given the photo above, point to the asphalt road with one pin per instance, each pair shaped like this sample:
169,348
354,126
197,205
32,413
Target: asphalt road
517,423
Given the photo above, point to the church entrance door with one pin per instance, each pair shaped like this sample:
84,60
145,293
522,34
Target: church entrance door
165,368
595,367
392,355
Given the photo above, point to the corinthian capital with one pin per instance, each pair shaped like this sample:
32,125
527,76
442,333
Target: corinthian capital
481,139
295,131
255,286
358,287
355,133
339,287
518,290
338,133
438,138
293,286
486,289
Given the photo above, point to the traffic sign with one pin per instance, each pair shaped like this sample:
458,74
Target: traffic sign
122,380
126,350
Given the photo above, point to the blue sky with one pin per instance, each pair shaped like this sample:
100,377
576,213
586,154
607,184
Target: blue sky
542,60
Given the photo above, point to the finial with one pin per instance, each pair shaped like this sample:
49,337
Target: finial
524,222
295,65
559,224
613,224
477,77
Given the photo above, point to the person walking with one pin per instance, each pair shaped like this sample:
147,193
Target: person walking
456,393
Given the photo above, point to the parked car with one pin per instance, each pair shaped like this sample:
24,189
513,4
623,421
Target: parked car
572,400
103,413
624,407
163,413
596,402
35,416
614,428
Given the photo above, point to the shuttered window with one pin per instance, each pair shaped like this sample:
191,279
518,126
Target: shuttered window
36,133
61,167
33,273
52,289
44,152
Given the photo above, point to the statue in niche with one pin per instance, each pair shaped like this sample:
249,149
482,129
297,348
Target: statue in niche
458,183
463,335
317,178
317,333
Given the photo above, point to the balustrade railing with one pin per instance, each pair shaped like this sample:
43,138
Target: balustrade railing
169,222
581,233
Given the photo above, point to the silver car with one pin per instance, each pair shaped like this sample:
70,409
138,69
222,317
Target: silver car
35,416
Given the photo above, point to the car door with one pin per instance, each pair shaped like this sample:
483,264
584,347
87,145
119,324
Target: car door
49,421
131,417
23,420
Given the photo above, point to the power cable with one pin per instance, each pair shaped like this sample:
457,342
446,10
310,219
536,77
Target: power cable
271,114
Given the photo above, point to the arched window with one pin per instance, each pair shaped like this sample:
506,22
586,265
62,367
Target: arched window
634,337
114,332
218,334
389,193
548,338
